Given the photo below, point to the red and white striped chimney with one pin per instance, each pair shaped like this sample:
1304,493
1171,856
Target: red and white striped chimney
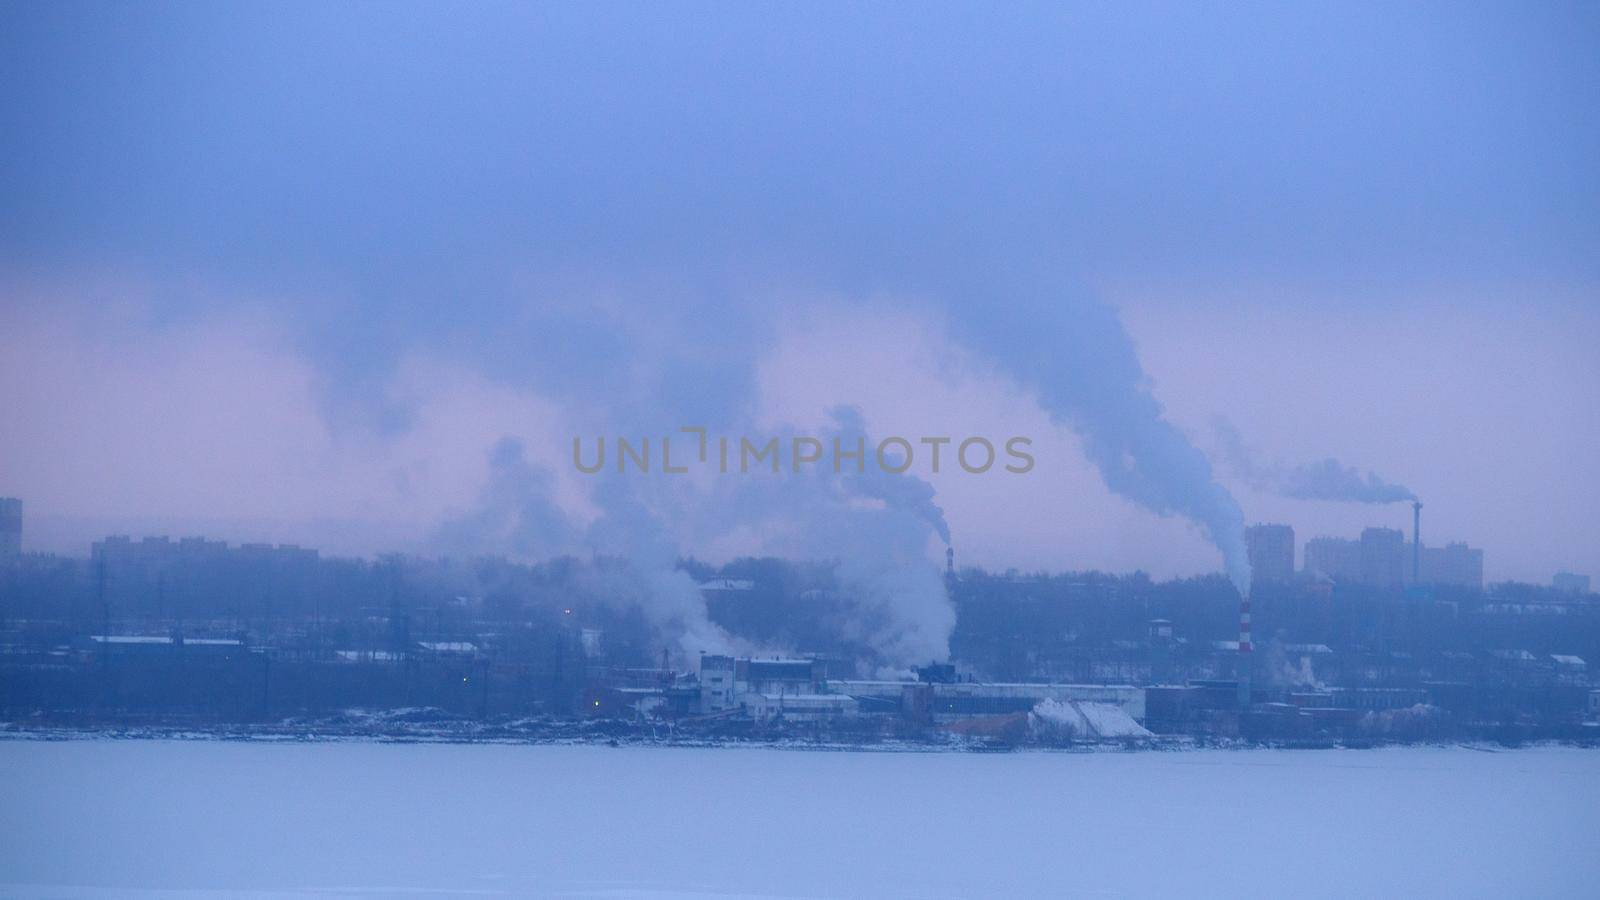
1244,652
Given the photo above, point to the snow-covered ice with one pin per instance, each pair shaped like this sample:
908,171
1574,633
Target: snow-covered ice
119,818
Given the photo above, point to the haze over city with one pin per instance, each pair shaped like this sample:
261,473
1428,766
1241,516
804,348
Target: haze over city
253,289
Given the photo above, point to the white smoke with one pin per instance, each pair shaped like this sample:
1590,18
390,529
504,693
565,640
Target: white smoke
874,525
877,526
670,600
1325,479
1076,357
517,517
1294,674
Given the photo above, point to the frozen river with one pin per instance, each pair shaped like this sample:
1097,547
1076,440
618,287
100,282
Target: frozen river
145,818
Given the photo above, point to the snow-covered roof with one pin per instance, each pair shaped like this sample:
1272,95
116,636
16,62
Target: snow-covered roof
1518,655
1086,719
727,584
361,655
157,639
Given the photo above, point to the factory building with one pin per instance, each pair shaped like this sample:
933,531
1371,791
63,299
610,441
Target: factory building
1271,550
949,701
145,646
728,683
716,683
799,689
800,707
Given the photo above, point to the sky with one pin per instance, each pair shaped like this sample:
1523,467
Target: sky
292,272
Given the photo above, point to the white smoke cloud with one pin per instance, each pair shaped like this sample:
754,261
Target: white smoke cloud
1326,479
1074,355
876,526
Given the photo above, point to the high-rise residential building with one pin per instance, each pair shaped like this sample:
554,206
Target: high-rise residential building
1383,557
1271,550
1336,558
10,526
119,555
1570,582
1454,564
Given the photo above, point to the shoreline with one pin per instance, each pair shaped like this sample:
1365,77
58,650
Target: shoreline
934,743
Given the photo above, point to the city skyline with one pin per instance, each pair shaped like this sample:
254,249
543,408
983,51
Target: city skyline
319,330
1378,557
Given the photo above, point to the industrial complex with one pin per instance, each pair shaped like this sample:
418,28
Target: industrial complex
1364,639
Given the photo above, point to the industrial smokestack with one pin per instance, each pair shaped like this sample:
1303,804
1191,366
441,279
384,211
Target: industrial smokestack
1244,651
1416,542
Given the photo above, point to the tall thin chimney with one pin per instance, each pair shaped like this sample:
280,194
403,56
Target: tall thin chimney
1416,542
1244,651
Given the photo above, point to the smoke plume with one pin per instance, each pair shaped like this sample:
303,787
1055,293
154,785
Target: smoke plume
1326,479
1076,357
874,526
517,517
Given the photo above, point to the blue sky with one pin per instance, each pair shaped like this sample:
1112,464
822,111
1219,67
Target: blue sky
577,208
